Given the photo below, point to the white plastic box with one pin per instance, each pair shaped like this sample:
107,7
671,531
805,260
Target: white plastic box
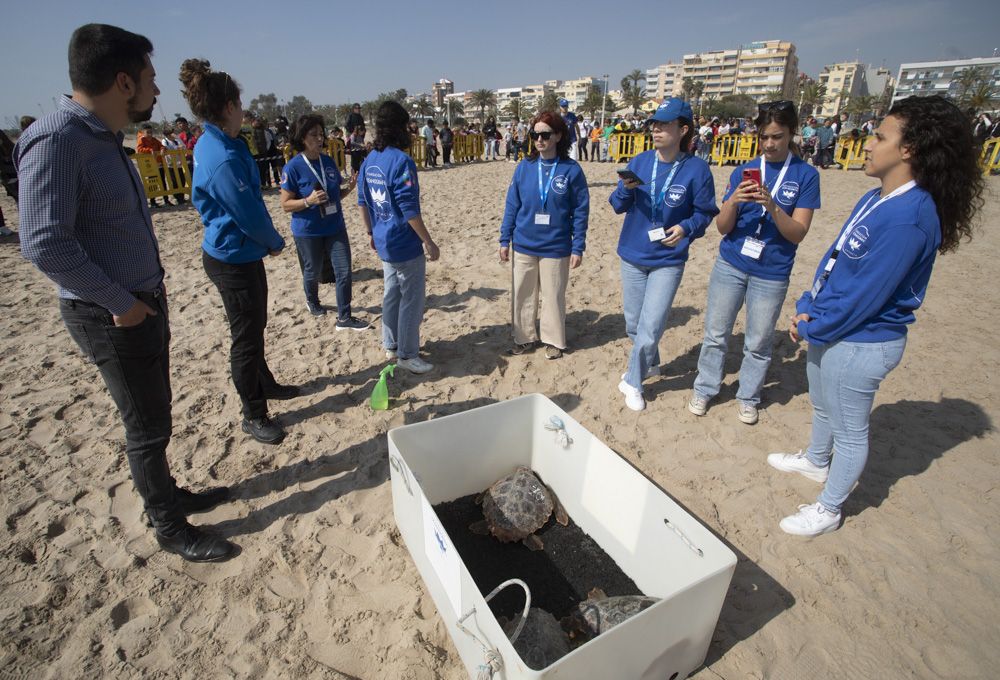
662,548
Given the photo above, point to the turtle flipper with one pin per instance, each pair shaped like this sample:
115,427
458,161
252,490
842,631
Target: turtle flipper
557,508
482,527
532,542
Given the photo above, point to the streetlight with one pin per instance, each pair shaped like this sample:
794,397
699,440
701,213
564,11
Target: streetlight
604,99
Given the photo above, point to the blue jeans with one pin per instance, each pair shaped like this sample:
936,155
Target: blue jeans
338,249
403,306
647,294
843,380
728,289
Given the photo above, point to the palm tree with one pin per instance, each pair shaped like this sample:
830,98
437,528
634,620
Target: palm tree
548,102
634,78
983,97
811,95
423,108
860,105
632,94
484,99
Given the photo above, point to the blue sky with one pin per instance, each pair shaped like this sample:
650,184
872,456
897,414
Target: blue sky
335,52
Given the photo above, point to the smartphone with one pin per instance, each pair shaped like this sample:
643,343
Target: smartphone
752,174
627,175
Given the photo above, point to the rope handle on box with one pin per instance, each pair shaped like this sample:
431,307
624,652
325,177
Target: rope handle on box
687,541
401,469
493,660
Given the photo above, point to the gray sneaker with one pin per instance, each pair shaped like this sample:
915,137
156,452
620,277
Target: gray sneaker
698,404
747,413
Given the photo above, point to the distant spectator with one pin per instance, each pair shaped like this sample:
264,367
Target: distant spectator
447,140
354,119
146,142
173,164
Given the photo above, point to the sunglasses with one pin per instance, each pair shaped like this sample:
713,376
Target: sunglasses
783,105
540,135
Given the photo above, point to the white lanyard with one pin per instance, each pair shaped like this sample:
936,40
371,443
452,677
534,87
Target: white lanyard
654,199
864,212
777,182
321,176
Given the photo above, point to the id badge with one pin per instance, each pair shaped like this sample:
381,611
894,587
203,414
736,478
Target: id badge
328,209
752,248
542,218
657,234
817,287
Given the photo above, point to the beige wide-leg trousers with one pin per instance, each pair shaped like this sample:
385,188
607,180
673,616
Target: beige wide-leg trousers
548,276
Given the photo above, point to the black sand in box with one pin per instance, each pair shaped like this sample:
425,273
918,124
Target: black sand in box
560,576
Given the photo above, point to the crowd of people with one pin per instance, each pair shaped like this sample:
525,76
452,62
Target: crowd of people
103,254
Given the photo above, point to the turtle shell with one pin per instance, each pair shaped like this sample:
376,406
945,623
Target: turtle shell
517,505
542,641
603,614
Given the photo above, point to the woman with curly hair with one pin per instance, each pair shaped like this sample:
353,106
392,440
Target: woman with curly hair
389,203
869,284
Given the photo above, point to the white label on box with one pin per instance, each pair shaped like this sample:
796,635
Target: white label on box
442,556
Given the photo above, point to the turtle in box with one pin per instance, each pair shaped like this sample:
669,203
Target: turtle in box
516,506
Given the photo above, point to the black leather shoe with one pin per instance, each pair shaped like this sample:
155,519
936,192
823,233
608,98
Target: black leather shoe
190,502
195,545
277,391
264,430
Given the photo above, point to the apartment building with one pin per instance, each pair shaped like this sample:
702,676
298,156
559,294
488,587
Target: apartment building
940,77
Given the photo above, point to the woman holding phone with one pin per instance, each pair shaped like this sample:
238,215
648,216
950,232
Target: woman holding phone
765,214
311,191
668,200
545,221
869,284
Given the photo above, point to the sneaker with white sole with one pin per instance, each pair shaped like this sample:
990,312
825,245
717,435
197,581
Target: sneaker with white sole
811,520
415,365
652,372
633,397
390,354
798,462
698,404
352,323
746,412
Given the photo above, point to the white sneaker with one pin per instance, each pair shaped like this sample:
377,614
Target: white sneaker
633,397
797,462
415,365
652,372
698,404
390,354
747,413
811,520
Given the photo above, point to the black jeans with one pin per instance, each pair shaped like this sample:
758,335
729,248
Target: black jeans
446,150
243,288
135,365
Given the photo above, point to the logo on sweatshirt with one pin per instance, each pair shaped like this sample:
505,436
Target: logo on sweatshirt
857,243
788,192
380,205
559,184
675,195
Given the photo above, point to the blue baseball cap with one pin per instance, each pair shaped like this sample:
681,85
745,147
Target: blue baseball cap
564,102
672,109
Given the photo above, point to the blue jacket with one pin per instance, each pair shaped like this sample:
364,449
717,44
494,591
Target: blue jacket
567,205
689,202
226,192
880,277
799,189
388,189
298,179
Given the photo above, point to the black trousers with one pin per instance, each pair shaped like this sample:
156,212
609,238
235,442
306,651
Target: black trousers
135,365
446,150
243,288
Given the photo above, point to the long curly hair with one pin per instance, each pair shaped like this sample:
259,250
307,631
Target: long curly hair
944,160
390,127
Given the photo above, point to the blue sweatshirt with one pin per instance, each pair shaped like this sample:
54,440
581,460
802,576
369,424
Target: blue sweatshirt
799,189
226,192
389,191
880,276
689,202
298,179
567,205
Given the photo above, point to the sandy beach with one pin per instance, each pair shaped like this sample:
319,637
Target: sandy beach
324,587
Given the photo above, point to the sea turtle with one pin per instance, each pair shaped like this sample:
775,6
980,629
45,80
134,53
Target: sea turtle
517,506
541,642
600,613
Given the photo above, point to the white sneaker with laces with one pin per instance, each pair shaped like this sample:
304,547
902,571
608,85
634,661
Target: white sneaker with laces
415,365
811,520
747,413
698,404
797,462
633,397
